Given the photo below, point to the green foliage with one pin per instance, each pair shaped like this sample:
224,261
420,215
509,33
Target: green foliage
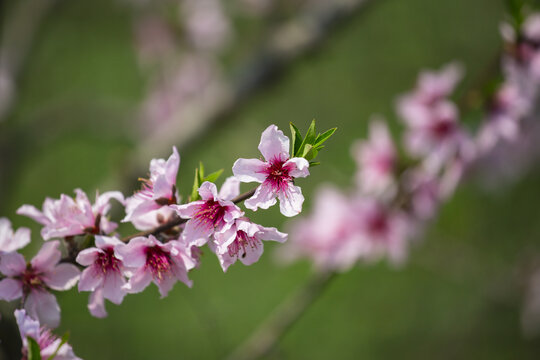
516,12
34,352
64,339
200,178
309,146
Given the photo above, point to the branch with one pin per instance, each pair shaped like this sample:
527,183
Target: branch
266,337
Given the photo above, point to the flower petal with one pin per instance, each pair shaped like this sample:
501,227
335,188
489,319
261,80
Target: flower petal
47,257
27,325
249,170
103,201
230,188
187,211
43,306
195,234
96,304
62,277
133,254
33,213
300,169
263,198
113,287
208,191
139,281
90,279
12,264
290,201
103,242
271,233
274,144
87,256
252,254
10,289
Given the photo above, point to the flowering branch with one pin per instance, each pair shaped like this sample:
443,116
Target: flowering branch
113,267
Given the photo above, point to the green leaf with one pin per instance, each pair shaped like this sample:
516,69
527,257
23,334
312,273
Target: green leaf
296,137
201,171
314,163
196,184
310,135
307,149
213,176
324,136
311,154
65,339
34,352
307,140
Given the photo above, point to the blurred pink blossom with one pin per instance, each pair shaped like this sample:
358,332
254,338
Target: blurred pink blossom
376,159
206,24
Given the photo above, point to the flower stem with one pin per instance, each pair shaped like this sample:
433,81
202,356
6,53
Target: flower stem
270,332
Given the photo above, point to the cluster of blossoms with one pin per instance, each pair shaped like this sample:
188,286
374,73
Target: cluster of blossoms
399,187
166,249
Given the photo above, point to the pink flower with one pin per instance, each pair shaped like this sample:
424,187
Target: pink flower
206,24
214,214
376,160
69,217
503,120
243,241
157,193
384,231
104,275
277,174
32,281
11,241
153,261
425,193
49,344
433,129
329,236
431,87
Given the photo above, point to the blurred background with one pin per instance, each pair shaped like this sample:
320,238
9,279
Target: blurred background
91,91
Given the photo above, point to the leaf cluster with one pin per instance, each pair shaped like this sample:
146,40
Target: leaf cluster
201,178
308,146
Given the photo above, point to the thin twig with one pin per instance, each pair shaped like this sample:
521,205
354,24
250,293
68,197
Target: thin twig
266,337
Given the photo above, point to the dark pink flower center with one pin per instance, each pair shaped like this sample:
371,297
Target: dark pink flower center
210,214
384,163
443,128
158,262
278,174
31,280
240,244
377,224
106,261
